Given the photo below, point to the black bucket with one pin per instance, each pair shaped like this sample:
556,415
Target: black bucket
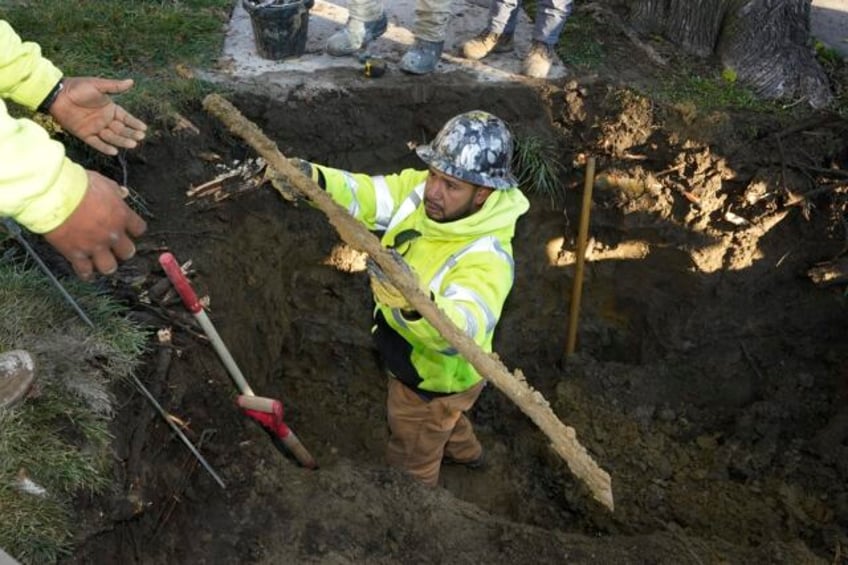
279,26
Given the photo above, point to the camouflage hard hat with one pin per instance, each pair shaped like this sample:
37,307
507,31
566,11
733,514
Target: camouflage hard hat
475,147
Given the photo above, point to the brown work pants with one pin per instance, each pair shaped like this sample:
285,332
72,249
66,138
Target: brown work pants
423,432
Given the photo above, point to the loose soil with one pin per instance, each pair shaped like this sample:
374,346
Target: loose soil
710,380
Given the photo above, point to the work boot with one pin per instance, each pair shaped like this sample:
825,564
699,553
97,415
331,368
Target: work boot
475,464
17,372
356,35
538,61
485,43
422,57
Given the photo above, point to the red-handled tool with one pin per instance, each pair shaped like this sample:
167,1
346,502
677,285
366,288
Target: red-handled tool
266,411
269,413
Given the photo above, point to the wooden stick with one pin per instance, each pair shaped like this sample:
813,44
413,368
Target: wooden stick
514,386
582,237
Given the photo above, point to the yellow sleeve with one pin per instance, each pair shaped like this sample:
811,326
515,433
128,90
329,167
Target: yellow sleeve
39,186
25,76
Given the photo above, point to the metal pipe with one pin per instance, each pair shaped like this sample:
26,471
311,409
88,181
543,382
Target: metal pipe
16,232
178,431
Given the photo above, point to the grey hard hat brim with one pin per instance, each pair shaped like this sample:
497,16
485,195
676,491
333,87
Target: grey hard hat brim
426,153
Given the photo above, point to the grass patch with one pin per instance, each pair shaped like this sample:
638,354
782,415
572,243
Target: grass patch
538,168
836,68
147,40
578,46
708,93
59,439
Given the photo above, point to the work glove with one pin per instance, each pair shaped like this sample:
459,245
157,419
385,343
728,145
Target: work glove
385,293
282,184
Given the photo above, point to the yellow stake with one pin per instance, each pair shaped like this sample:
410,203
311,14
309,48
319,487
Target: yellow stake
582,236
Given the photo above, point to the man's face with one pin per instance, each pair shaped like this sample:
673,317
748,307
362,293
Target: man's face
447,198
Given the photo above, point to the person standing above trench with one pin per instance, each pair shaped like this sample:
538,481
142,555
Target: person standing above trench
80,213
367,21
499,32
451,226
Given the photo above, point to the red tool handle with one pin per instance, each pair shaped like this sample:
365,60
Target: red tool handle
180,282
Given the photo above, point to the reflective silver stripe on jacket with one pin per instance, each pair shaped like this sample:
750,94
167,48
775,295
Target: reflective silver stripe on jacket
456,292
408,206
486,244
385,203
353,187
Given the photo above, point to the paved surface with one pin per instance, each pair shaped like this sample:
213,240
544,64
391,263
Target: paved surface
829,23
326,17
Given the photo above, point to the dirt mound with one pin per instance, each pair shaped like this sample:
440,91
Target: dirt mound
710,379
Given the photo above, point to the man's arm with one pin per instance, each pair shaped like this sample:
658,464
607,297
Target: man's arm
39,186
372,200
81,105
25,76
81,213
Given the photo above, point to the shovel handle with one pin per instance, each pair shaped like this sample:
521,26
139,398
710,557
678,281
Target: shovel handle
261,404
300,453
180,282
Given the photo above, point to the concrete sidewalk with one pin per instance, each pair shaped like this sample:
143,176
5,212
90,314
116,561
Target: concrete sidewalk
327,16
829,24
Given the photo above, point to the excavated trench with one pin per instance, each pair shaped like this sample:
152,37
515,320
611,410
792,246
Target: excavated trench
703,389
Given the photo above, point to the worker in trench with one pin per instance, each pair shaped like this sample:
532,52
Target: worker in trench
451,226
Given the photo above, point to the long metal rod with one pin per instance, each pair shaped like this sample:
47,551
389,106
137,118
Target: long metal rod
178,431
582,237
16,232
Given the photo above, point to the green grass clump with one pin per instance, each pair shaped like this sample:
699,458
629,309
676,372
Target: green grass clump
826,55
836,68
59,438
707,93
578,46
538,168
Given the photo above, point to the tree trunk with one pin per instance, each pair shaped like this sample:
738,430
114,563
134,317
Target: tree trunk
693,25
765,42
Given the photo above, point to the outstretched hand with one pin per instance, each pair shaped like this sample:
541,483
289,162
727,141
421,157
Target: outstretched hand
85,109
98,231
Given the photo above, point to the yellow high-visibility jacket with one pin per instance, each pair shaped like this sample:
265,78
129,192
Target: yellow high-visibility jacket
39,186
466,265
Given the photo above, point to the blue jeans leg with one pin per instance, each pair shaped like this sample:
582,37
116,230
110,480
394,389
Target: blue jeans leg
503,16
550,19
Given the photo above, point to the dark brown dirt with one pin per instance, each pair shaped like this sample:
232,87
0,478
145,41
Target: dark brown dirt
710,381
